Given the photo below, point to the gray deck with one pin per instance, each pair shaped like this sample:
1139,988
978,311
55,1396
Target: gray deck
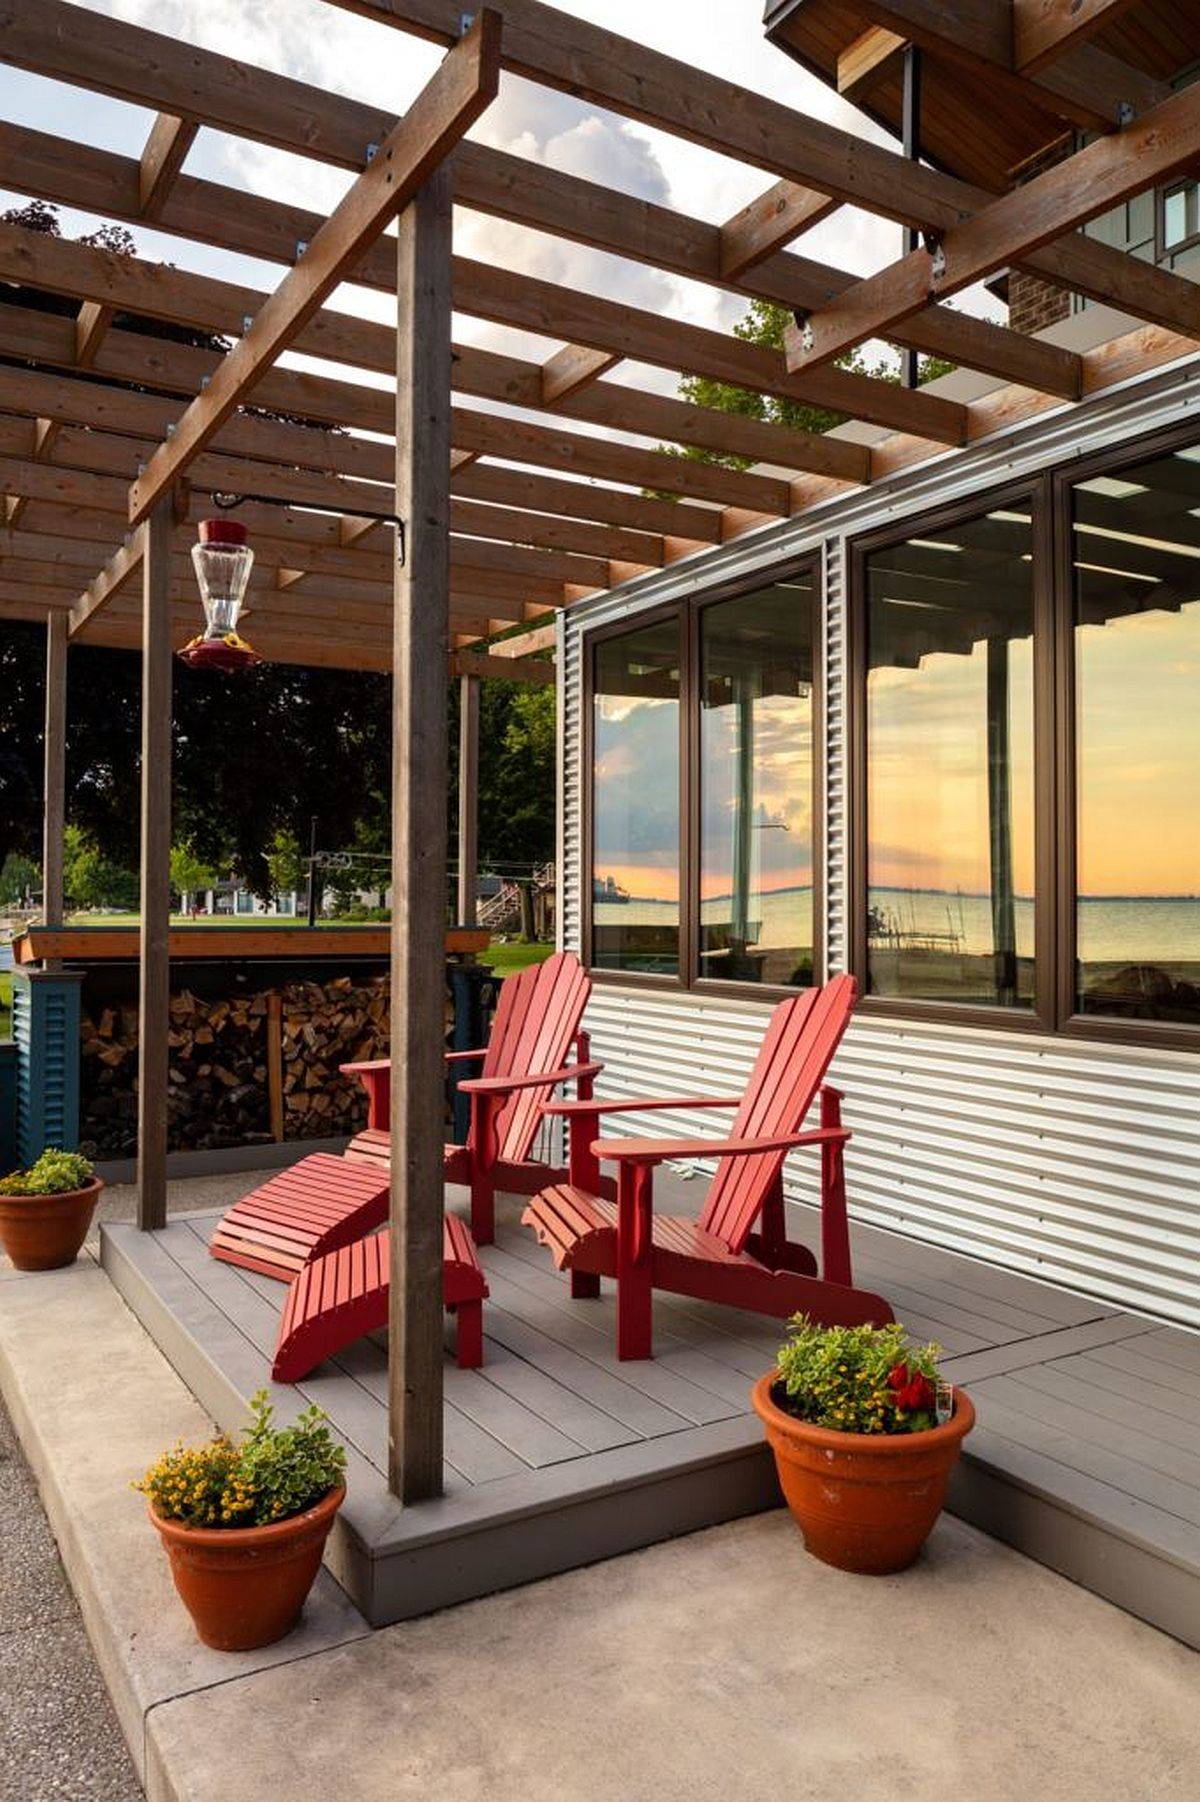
1086,1454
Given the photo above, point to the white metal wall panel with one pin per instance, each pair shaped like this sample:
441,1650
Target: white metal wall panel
1072,1161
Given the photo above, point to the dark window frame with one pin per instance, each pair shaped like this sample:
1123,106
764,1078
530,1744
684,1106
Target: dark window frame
687,611
1054,1011
1162,250
1039,1018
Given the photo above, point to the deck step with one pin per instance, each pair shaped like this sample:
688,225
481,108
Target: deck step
590,1457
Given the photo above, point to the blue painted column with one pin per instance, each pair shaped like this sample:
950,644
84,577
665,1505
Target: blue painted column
46,1010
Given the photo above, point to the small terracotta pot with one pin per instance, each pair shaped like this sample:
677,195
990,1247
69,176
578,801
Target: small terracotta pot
246,1586
44,1232
864,1502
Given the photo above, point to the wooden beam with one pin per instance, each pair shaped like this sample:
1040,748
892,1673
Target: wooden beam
462,88
54,798
1161,144
768,223
470,665
572,368
119,569
468,797
1045,29
873,57
589,212
163,157
419,755
154,972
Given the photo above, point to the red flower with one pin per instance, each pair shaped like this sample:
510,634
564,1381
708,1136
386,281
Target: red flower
912,1393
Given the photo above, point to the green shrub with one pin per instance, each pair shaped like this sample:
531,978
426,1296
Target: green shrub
857,1379
55,1173
274,1473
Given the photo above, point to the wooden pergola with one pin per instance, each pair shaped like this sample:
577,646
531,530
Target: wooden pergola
116,432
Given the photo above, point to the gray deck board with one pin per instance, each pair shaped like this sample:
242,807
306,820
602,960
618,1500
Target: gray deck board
1087,1451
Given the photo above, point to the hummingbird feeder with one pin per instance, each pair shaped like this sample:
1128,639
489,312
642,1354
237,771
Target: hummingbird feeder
222,559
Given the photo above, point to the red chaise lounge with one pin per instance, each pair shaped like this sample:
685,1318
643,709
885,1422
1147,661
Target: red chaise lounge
738,1251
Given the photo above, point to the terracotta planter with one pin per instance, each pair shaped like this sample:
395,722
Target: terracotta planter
44,1232
864,1502
246,1586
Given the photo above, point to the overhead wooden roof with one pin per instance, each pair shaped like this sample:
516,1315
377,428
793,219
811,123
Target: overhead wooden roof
1001,80
544,510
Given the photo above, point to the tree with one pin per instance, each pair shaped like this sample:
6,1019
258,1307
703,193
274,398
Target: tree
19,877
91,879
287,866
190,874
517,758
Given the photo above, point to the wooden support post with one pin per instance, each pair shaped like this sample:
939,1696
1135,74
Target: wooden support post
153,939
419,755
468,798
55,796
275,1063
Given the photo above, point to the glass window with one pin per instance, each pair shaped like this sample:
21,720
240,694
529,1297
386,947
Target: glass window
756,786
635,800
1180,215
1136,540
949,771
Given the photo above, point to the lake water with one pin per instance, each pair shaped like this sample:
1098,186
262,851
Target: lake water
1112,929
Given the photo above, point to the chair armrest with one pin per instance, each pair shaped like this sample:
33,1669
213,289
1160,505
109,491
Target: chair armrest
656,1151
367,1069
626,1106
463,1057
546,1079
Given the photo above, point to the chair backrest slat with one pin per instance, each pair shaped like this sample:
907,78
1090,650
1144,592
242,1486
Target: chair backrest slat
803,1034
537,1017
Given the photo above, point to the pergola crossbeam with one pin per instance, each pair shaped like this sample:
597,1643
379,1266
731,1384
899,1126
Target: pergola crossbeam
460,90
1163,143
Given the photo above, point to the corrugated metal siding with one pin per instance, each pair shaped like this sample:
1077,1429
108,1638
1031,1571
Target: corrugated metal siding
1079,1163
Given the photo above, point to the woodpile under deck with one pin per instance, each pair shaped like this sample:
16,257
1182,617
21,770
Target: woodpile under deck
1086,1456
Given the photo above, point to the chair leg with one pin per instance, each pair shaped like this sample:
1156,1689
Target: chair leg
635,1317
483,1207
585,1285
835,1226
468,1334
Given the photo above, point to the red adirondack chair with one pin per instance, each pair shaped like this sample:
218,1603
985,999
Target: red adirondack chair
324,1202
720,1257
535,1026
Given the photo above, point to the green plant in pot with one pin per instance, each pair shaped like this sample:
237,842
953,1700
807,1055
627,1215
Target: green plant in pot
244,1524
45,1210
865,1433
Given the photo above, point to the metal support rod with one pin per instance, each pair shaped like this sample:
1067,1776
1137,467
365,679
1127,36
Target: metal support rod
419,756
468,798
154,988
1004,921
54,800
911,130
312,871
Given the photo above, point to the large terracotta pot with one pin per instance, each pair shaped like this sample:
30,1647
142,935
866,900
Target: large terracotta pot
863,1501
246,1586
44,1232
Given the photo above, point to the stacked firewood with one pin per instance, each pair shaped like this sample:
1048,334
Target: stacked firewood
218,1076
324,1025
243,1070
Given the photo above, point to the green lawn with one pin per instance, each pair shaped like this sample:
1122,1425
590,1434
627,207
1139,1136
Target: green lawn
506,960
5,1004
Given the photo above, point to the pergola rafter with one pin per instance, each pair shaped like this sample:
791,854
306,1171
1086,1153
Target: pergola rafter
559,505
